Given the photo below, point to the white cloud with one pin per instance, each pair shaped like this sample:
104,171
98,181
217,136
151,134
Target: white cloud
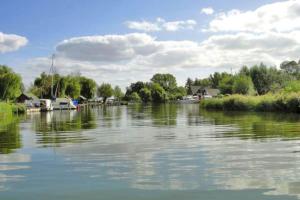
11,42
207,11
279,17
269,34
161,25
143,26
121,59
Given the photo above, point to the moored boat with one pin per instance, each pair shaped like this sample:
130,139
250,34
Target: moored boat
189,100
46,105
63,104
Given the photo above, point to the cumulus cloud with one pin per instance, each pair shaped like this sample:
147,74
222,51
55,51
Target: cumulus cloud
161,25
122,59
279,17
11,42
207,11
269,34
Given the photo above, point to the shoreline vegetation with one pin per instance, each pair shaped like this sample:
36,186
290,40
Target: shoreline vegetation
257,88
266,103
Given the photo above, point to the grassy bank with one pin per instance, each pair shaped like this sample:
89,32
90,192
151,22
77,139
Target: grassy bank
284,102
10,108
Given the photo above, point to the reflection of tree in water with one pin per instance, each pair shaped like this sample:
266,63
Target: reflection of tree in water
55,128
164,115
257,125
10,138
110,116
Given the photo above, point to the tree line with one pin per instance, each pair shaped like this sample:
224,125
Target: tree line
161,88
47,86
258,79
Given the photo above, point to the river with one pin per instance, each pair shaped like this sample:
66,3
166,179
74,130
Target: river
149,152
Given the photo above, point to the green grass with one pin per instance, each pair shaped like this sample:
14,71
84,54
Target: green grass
7,109
284,102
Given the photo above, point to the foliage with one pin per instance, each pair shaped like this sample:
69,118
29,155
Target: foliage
177,93
87,87
188,86
158,93
10,84
286,102
226,84
166,81
145,95
72,87
105,90
243,85
163,87
292,86
118,93
134,97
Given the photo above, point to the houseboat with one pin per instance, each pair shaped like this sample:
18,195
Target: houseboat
189,100
63,104
46,105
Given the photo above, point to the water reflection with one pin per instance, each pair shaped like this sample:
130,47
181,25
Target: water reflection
258,125
165,148
10,138
60,127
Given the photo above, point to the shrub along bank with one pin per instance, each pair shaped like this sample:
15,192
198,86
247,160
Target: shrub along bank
283,102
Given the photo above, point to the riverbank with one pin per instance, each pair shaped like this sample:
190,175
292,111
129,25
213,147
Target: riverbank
283,102
11,108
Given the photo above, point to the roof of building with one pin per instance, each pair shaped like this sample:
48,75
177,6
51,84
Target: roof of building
209,90
29,96
212,91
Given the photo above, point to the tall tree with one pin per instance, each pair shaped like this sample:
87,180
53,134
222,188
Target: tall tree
188,85
87,87
166,81
10,83
105,90
243,85
118,93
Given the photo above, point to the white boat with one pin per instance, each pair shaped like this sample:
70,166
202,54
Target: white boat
46,105
189,100
63,104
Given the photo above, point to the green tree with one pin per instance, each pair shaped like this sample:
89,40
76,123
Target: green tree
188,85
290,67
166,81
87,87
118,93
145,95
158,93
215,79
226,84
10,83
134,97
105,90
243,85
72,88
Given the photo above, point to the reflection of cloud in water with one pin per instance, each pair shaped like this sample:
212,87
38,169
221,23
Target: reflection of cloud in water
246,164
11,163
144,156
183,152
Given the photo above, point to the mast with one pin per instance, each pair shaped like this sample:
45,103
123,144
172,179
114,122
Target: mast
52,71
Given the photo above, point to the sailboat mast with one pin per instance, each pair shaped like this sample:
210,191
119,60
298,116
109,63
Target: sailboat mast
52,78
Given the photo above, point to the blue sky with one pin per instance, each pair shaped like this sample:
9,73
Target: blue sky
45,24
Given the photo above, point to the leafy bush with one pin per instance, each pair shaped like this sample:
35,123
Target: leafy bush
286,102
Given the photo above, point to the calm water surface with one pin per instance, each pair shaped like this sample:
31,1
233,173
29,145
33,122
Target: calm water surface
150,152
